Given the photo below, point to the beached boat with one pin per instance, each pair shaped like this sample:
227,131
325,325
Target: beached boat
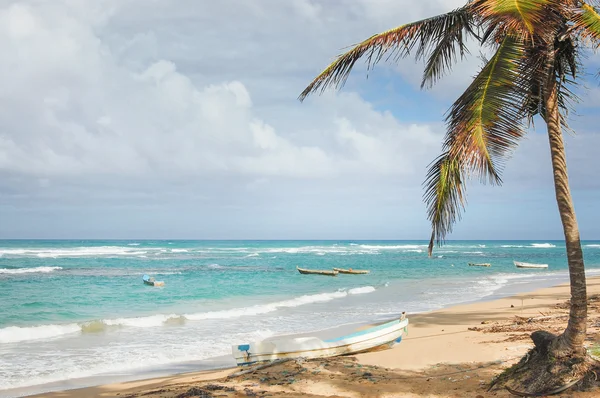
149,280
351,271
316,272
373,338
520,264
480,265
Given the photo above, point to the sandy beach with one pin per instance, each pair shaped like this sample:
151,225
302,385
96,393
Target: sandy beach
453,352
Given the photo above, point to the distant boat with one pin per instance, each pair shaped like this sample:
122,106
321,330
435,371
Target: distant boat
529,265
373,338
148,280
480,265
351,271
316,272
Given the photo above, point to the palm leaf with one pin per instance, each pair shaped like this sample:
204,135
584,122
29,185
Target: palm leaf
484,126
525,18
587,21
543,63
445,195
485,121
428,35
450,38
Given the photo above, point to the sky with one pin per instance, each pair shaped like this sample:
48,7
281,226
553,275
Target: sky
137,119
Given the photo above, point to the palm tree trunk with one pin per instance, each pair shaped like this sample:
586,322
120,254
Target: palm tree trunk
572,339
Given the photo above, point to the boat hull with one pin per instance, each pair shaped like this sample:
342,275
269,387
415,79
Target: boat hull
151,282
374,338
316,272
351,271
519,264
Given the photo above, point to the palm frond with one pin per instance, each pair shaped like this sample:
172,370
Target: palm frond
587,21
428,35
445,195
524,18
484,123
449,40
542,64
484,126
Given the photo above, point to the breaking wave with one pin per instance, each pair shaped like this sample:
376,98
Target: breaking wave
14,334
28,270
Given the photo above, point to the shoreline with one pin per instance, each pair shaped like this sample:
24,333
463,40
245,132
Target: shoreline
434,337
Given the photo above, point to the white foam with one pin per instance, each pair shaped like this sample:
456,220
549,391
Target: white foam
90,251
271,307
596,246
140,322
392,247
28,270
361,290
542,245
14,334
512,246
133,244
179,250
253,255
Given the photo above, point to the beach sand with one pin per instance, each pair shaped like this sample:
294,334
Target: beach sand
453,352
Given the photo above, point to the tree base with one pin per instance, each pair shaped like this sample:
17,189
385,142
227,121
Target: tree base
545,370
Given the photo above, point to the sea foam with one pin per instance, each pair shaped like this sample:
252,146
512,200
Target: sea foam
28,270
14,334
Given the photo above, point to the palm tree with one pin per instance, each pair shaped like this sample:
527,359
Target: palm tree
537,47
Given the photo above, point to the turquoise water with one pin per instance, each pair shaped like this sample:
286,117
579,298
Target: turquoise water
75,309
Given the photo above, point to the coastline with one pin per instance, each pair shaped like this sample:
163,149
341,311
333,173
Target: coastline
436,340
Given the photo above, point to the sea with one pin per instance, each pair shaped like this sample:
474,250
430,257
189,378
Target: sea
77,310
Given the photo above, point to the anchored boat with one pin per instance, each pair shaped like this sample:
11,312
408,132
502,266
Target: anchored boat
373,338
148,280
351,271
520,264
316,272
480,265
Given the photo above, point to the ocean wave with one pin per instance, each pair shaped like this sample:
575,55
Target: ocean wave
86,251
392,247
595,246
15,334
512,246
542,245
362,290
28,270
271,307
179,250
253,255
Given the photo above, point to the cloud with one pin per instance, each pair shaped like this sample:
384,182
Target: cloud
113,105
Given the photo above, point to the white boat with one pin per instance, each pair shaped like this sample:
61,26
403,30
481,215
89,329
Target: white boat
520,264
380,336
151,281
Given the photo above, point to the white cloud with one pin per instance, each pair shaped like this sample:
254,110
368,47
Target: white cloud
89,112
142,102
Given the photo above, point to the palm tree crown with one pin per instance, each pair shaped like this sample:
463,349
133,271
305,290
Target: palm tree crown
536,50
